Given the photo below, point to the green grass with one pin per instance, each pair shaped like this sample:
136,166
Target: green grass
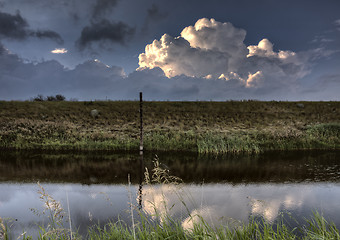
204,127
317,228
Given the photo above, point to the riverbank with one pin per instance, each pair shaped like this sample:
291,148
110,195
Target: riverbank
203,127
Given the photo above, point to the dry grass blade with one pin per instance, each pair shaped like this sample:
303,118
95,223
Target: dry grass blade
3,230
162,176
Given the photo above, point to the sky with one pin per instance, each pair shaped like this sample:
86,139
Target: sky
181,50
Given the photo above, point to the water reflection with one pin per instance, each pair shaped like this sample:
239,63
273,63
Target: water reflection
223,189
217,203
94,168
88,204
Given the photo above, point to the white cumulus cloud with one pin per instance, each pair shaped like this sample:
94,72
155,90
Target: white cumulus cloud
216,36
216,50
208,48
265,49
175,57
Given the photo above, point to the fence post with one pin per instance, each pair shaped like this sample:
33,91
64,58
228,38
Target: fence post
141,121
141,164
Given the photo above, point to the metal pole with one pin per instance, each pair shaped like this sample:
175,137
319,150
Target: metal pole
141,121
141,177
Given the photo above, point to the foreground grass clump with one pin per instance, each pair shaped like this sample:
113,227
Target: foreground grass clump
318,228
205,127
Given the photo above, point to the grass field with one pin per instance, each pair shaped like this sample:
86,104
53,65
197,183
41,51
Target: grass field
204,127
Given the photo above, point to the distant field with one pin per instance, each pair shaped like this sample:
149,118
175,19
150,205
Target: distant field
205,127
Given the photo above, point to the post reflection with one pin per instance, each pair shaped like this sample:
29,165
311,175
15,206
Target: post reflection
141,179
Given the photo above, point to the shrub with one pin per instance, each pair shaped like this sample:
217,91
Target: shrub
51,98
60,97
38,98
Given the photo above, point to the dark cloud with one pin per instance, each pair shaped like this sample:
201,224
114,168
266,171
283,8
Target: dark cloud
16,27
153,15
48,34
75,17
2,49
112,32
13,26
102,7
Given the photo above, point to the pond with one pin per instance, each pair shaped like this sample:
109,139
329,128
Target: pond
222,189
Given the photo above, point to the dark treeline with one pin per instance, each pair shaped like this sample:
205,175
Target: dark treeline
41,98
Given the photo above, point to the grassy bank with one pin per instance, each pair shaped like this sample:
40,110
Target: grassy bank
204,127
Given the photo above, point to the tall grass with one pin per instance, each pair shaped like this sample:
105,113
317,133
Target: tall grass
324,135
3,230
55,228
320,136
318,228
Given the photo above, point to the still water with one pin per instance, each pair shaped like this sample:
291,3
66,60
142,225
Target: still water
222,189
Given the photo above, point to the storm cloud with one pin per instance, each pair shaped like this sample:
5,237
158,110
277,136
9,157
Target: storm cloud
13,26
48,34
102,7
16,27
105,31
154,15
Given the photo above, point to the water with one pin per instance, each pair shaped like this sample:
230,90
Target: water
223,189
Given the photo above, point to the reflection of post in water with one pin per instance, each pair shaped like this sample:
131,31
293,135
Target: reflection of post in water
141,163
141,178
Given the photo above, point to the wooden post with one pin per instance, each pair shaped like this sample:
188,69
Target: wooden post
141,121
